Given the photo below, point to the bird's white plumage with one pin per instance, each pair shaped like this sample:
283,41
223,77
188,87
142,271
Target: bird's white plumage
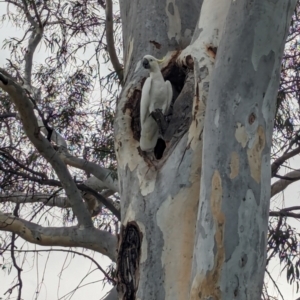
156,94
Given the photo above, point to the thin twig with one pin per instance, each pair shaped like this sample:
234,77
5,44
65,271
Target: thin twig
274,284
75,252
12,253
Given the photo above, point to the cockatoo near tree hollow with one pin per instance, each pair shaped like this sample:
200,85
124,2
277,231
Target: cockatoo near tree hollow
156,94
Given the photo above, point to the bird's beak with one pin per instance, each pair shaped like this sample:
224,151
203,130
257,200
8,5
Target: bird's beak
146,64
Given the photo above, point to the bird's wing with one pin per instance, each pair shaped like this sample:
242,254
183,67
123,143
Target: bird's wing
168,96
145,100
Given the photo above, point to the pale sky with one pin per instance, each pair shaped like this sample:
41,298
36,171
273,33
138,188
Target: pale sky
57,284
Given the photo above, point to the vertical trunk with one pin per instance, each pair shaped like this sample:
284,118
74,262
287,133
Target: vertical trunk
159,198
229,254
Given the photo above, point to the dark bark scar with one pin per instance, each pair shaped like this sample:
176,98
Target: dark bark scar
129,260
156,44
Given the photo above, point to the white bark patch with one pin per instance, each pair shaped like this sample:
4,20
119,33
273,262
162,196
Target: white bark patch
144,253
130,214
241,135
217,117
174,29
175,215
234,165
138,65
254,154
126,145
128,56
206,282
211,25
147,179
186,39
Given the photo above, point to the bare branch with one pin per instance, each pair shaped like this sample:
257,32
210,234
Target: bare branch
47,199
93,200
105,175
282,213
12,253
74,252
98,240
110,40
274,284
102,199
280,160
32,130
36,13
29,17
8,115
282,184
55,137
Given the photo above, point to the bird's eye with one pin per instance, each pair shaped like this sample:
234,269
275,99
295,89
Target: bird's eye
150,59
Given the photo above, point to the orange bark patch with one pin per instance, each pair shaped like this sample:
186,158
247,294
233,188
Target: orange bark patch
212,51
254,154
179,236
206,286
234,165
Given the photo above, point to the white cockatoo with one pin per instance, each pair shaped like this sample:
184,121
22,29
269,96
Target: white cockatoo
156,94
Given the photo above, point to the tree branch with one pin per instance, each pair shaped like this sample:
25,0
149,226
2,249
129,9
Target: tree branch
98,240
25,108
102,199
110,40
89,187
8,115
12,253
47,199
105,175
55,137
281,184
74,252
283,213
280,160
30,19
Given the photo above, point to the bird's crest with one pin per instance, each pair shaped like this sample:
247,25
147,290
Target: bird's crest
160,60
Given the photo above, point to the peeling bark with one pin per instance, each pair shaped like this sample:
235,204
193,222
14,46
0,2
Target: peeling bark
129,260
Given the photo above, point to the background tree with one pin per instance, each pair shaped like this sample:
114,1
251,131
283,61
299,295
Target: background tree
59,162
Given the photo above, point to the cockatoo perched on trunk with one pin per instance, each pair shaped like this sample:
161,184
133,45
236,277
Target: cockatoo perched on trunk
156,94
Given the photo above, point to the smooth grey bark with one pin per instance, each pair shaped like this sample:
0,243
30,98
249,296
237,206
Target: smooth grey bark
158,198
230,250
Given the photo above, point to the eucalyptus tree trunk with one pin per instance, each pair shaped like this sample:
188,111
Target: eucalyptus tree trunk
179,239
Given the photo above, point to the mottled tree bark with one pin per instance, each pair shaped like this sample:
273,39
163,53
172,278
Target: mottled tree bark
161,256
